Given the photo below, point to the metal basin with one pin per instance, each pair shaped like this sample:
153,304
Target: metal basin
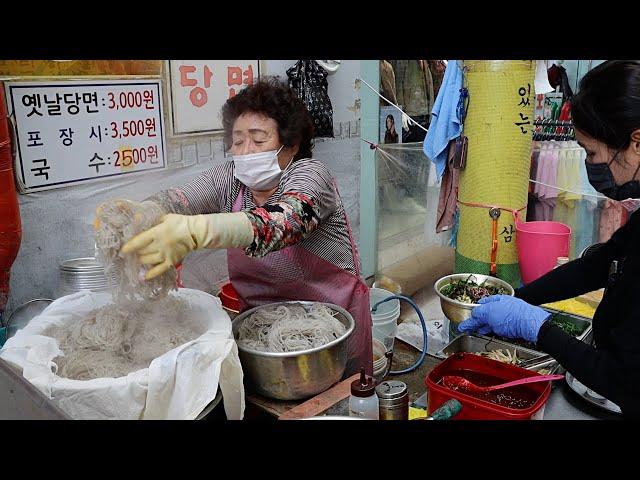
457,311
295,375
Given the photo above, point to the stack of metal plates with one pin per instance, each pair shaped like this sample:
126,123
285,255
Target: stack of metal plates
79,274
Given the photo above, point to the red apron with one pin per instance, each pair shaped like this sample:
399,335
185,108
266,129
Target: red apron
294,273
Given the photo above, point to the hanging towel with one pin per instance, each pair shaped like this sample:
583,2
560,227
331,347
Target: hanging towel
445,124
448,201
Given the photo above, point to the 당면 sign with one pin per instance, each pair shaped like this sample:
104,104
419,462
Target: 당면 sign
199,89
72,132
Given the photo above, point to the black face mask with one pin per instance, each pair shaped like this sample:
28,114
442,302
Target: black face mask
601,178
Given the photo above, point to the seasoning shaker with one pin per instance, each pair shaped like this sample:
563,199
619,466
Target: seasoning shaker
393,398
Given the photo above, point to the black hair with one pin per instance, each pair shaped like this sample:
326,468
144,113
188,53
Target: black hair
607,105
273,98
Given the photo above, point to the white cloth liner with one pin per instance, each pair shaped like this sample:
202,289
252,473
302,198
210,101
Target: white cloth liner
177,385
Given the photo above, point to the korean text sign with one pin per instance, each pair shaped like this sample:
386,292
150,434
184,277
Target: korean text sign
199,88
75,131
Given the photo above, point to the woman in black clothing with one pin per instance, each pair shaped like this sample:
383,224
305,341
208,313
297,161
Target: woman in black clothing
606,116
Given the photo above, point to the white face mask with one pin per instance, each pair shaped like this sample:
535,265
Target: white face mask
259,171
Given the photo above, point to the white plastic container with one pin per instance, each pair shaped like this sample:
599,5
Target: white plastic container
379,360
363,402
385,318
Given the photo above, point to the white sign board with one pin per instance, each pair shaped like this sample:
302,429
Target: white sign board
199,88
78,131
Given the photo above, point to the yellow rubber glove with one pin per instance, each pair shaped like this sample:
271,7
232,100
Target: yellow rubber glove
166,244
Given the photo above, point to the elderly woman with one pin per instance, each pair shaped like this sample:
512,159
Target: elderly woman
275,209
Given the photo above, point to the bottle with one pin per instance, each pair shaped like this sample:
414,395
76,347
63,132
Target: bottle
363,402
393,398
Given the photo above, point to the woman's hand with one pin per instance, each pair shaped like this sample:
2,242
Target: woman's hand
166,244
506,316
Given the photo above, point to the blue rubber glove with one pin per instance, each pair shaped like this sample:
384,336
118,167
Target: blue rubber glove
506,316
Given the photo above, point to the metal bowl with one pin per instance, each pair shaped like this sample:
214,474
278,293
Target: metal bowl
457,311
295,375
23,314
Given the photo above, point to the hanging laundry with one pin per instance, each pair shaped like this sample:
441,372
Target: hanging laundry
309,81
547,173
588,217
437,68
414,90
567,196
558,77
414,86
445,124
533,174
387,83
568,180
448,201
542,78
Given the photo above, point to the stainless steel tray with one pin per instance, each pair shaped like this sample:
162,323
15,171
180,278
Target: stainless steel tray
574,319
481,343
586,393
591,396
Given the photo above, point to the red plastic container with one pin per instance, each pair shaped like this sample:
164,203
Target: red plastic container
475,408
179,283
229,298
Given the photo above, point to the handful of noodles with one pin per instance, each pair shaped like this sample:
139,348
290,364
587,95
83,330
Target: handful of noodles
289,328
143,322
118,221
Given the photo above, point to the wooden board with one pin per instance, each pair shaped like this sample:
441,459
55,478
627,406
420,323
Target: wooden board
321,402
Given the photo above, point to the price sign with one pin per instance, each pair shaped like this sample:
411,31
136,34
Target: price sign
74,132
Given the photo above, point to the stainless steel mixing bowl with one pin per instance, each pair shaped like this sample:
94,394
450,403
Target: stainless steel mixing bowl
457,311
295,375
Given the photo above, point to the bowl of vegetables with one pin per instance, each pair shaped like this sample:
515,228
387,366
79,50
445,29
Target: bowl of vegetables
459,293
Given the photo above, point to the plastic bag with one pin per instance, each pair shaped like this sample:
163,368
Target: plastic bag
176,385
309,81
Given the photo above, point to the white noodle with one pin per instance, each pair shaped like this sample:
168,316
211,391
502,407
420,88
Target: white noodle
504,356
118,225
113,342
289,328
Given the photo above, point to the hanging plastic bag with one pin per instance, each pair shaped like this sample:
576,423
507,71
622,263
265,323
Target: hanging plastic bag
309,81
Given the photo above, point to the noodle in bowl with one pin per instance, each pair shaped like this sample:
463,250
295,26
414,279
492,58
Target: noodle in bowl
297,374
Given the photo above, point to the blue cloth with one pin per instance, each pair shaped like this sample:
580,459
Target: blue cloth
445,124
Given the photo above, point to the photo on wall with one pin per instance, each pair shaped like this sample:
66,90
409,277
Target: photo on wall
390,125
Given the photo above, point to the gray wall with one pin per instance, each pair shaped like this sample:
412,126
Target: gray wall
57,224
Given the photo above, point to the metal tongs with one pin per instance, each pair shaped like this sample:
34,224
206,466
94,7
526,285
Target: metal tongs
537,362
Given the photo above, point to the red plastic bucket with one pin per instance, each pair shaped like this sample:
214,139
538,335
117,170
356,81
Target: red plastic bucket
229,298
477,409
539,245
179,283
